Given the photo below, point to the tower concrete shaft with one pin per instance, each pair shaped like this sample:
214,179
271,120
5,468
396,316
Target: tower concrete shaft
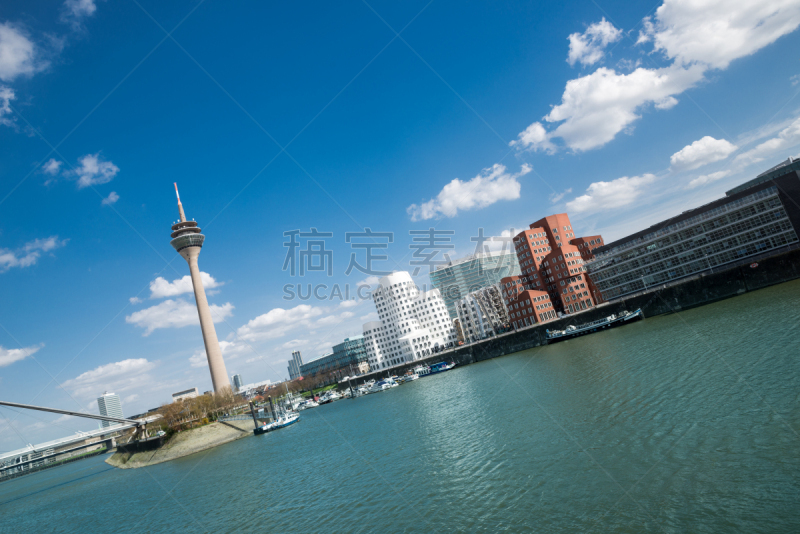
187,240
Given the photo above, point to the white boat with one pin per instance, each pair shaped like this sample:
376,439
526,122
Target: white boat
379,386
408,377
306,404
329,396
421,370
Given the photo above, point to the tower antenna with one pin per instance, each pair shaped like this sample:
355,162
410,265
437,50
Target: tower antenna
180,206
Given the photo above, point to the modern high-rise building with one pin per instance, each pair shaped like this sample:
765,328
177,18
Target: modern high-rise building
237,382
294,365
761,216
187,241
553,276
110,406
461,277
412,323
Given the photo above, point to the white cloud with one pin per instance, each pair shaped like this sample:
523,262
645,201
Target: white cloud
6,96
334,319
230,350
369,281
135,300
110,199
371,316
294,343
160,288
199,359
9,356
707,178
348,303
609,195
587,47
30,253
697,36
716,32
555,197
94,171
278,321
535,138
490,186
786,139
701,152
51,167
117,377
76,10
596,107
18,54
795,79
174,314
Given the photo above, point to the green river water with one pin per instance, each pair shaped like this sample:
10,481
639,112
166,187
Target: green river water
680,423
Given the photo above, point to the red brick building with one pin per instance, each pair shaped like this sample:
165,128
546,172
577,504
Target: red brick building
553,277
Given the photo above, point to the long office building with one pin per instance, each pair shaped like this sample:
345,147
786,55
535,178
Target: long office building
462,277
349,357
110,406
295,364
412,323
757,217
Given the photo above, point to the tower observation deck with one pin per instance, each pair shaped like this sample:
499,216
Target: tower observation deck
188,241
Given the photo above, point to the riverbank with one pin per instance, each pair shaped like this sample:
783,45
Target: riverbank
693,292
185,443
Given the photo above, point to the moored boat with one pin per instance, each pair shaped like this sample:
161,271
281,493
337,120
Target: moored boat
612,321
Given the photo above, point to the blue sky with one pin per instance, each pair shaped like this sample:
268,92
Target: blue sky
277,117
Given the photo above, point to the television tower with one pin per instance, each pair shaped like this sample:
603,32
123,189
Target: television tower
187,240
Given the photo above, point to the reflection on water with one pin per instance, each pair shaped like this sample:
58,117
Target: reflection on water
679,423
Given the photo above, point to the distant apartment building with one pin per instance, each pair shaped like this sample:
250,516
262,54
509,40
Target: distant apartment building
759,216
294,365
552,276
109,405
481,313
348,358
237,382
461,277
412,324
186,394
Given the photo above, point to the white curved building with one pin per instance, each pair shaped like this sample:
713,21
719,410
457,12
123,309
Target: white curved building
411,325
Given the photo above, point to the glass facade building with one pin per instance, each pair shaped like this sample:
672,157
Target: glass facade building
462,277
110,406
757,217
294,365
350,356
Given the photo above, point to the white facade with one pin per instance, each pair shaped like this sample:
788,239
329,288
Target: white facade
110,406
411,323
185,394
481,313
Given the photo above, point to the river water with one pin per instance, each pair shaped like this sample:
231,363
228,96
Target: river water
680,423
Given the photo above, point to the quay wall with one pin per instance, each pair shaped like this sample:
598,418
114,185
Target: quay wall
689,293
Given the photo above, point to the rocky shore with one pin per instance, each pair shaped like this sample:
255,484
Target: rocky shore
185,443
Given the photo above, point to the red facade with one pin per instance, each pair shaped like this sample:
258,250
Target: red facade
553,276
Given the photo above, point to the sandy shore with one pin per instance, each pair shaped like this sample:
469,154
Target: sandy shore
185,443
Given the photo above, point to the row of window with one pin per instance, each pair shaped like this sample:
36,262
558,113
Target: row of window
725,239
730,206
634,283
